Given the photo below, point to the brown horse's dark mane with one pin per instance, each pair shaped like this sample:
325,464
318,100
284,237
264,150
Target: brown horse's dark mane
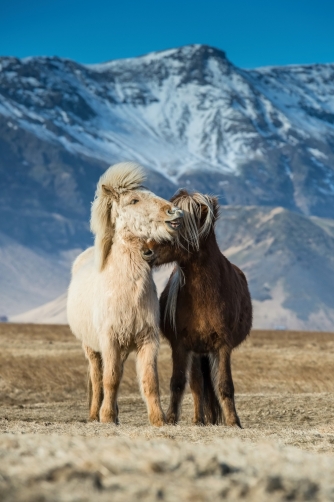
200,213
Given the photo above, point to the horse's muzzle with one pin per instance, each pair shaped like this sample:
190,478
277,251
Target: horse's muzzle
176,218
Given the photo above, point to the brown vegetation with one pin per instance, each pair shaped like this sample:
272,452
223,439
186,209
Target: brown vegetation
284,391
282,378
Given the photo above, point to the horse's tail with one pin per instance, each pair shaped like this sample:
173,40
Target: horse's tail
212,409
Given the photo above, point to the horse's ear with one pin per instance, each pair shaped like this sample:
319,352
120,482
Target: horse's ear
215,207
213,204
209,212
101,224
109,192
180,193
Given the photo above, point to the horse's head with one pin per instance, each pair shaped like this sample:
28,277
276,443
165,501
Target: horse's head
200,213
124,207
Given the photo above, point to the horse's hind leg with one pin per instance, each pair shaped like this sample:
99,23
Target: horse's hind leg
95,383
224,386
147,371
178,382
196,387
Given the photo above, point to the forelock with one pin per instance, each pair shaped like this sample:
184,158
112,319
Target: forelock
191,204
123,177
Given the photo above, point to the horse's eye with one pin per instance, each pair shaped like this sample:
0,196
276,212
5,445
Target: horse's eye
134,201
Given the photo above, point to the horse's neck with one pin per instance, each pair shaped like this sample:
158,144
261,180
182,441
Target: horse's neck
126,261
201,266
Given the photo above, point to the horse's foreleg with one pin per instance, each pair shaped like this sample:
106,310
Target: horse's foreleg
196,387
178,382
147,371
112,374
95,375
225,388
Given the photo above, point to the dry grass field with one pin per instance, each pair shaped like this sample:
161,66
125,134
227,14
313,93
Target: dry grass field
284,384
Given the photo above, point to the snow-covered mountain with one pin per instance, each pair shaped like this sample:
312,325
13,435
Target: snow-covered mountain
259,137
262,137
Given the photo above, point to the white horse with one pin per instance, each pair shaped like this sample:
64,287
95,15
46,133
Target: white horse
112,301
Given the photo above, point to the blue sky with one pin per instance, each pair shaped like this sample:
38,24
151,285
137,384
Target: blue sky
253,33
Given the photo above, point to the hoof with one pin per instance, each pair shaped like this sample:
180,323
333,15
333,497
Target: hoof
234,423
200,423
171,419
93,418
157,421
108,419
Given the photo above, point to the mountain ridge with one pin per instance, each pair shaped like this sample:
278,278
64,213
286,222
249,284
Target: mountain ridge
188,114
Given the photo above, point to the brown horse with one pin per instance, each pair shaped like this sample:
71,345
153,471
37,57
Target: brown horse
205,312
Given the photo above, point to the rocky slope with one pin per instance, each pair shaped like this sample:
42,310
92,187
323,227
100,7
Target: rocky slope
289,262
30,278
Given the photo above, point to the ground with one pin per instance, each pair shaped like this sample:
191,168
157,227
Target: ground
284,385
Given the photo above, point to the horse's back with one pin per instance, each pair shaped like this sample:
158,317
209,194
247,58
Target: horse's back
238,271
83,258
239,298
80,298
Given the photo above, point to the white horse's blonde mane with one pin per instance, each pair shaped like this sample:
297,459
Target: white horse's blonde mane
118,179
192,233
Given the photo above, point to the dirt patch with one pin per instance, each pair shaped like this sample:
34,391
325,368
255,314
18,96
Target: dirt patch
59,468
284,392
